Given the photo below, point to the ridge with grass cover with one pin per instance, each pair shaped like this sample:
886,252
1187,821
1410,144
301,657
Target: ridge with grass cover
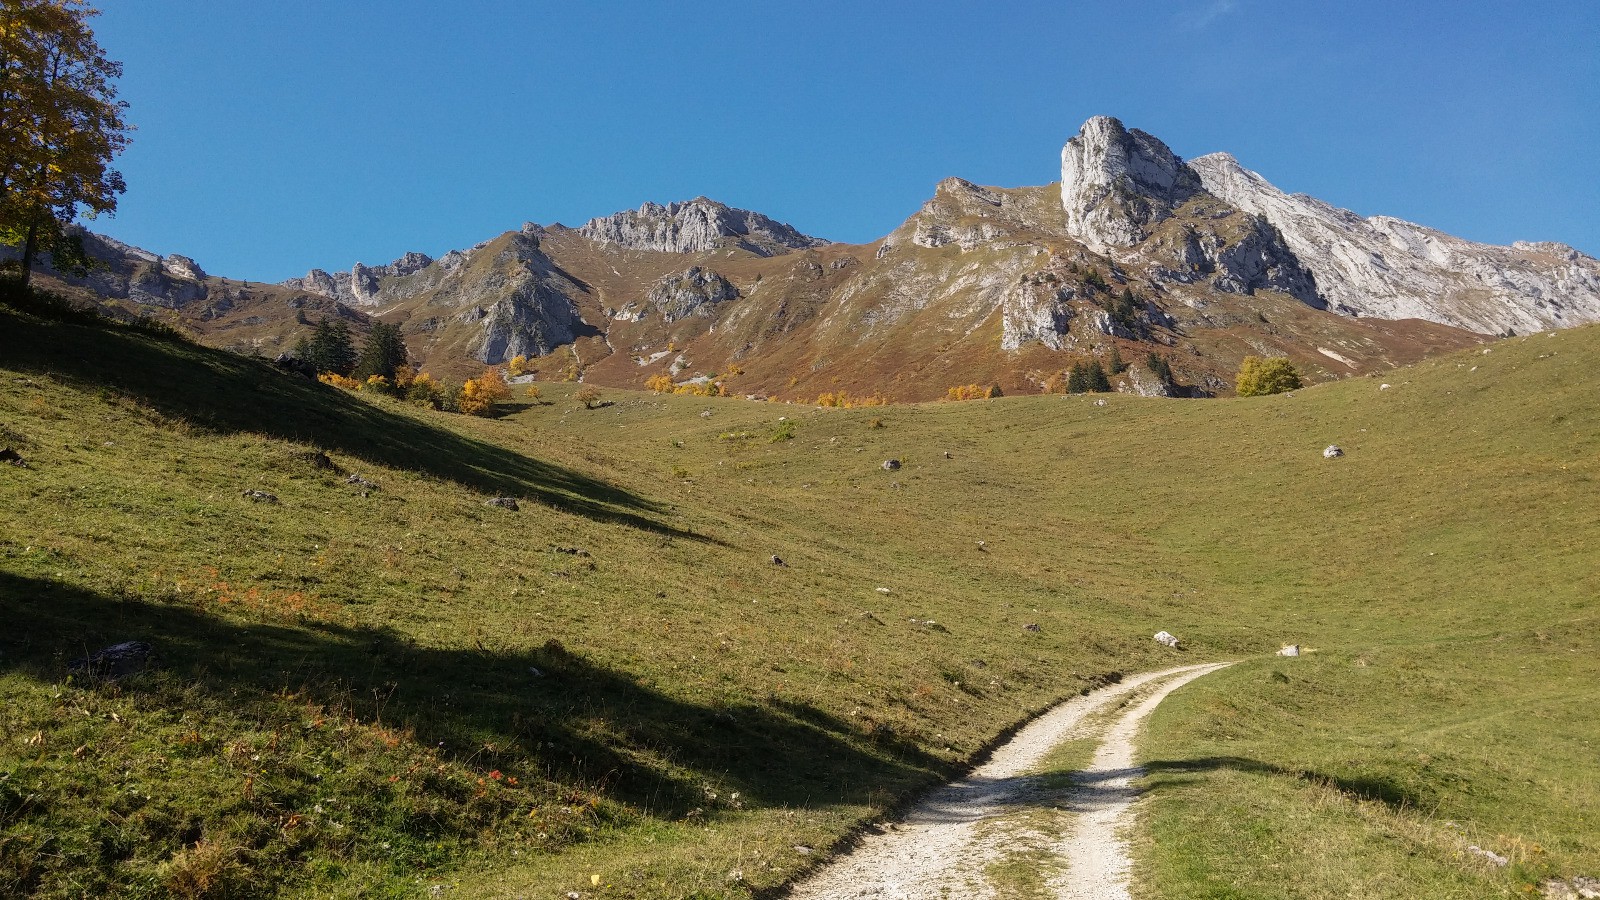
400,691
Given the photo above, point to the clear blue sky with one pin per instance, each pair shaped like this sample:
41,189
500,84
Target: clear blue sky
274,137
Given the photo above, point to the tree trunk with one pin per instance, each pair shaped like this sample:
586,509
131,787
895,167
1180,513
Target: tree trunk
30,248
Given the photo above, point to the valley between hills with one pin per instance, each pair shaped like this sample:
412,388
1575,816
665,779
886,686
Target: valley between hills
613,642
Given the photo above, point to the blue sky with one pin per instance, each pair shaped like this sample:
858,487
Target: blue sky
275,137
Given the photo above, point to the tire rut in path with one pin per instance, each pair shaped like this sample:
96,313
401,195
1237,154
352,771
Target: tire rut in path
939,850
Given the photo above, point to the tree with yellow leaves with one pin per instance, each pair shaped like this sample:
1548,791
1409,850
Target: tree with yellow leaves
479,395
60,126
661,384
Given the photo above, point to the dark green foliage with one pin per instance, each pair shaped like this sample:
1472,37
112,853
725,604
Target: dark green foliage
1093,279
384,353
1098,382
1077,379
1116,364
329,348
1159,366
1124,309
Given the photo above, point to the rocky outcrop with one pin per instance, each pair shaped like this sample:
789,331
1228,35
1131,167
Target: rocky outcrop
360,285
1126,195
695,292
697,225
1392,269
1116,184
1036,308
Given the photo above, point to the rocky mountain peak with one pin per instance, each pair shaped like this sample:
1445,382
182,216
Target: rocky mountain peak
1389,268
697,225
1117,184
359,286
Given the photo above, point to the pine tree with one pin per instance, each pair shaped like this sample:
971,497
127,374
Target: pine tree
1078,379
384,354
1096,377
1159,366
1116,363
329,348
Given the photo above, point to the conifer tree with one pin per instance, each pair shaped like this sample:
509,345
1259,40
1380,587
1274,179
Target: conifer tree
384,353
1096,377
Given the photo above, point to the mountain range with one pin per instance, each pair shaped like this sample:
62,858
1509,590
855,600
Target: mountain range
1199,263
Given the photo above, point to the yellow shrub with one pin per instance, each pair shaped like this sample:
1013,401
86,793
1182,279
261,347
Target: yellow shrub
532,393
971,392
517,366
339,381
480,394
661,384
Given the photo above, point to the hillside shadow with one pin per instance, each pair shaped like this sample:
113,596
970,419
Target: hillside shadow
219,392
1168,773
976,797
549,710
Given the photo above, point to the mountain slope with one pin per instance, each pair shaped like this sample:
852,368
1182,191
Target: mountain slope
1135,256
1388,268
382,689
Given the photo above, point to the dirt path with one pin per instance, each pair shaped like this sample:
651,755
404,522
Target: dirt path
950,843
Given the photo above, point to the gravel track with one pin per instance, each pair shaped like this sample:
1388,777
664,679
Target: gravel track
943,845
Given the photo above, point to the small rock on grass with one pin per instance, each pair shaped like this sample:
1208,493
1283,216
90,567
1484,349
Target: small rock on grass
260,496
1166,639
1332,452
1291,650
1031,626
114,662
503,502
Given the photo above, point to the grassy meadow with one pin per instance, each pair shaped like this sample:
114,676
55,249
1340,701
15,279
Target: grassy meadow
399,691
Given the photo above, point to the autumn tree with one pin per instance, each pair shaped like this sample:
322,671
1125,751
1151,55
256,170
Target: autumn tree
1272,375
479,395
61,124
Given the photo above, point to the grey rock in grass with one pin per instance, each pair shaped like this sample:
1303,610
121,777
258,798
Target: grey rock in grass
1166,639
1578,887
1490,856
503,502
890,465
778,560
1332,452
1291,650
1031,626
114,662
259,496
361,482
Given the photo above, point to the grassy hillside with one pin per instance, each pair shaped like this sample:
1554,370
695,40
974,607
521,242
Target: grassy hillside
615,690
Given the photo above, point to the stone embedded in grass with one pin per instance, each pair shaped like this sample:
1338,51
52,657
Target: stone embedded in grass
890,465
260,496
1332,452
114,662
363,483
1166,639
1291,650
778,560
1492,857
1031,626
503,502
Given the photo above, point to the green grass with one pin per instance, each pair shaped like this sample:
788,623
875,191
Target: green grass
339,671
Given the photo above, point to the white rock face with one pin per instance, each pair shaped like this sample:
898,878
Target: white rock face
695,292
1116,184
697,225
360,285
1035,310
1392,269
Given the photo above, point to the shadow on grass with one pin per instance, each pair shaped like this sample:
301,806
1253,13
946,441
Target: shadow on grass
548,710
976,797
1167,773
220,392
